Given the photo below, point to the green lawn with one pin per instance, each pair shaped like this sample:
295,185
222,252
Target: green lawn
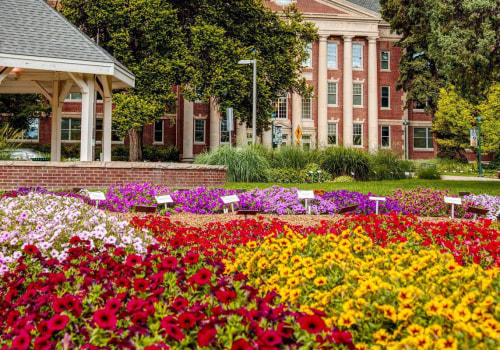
384,188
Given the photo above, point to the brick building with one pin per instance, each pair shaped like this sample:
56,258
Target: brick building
353,68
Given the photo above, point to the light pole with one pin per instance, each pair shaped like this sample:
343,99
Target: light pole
479,121
405,124
254,102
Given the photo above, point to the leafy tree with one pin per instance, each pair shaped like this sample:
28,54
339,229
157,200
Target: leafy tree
196,44
20,107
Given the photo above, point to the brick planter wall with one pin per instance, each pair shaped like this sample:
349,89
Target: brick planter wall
101,175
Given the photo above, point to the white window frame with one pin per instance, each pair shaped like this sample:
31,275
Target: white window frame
162,121
71,98
306,111
31,140
113,131
382,88
282,110
356,57
428,137
307,63
332,55
223,132
388,60
69,131
388,128
330,93
309,141
198,121
333,127
354,93
354,134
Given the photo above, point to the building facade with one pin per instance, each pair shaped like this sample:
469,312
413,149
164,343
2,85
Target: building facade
353,68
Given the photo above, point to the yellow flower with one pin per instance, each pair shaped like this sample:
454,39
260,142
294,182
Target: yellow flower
449,343
320,281
346,320
404,314
433,308
423,341
479,313
307,261
415,329
362,346
381,337
389,312
262,263
461,313
309,272
293,282
296,259
434,331
285,272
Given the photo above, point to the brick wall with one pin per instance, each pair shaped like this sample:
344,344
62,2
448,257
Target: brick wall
97,175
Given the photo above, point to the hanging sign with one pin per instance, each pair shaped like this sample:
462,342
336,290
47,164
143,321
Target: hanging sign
298,133
473,137
278,134
229,117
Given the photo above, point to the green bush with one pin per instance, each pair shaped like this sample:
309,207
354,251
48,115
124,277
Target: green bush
244,164
339,161
343,179
280,175
160,154
428,173
313,174
386,165
292,157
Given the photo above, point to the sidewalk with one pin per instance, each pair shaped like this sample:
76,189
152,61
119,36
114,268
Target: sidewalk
467,178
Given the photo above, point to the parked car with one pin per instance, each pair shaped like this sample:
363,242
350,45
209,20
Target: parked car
19,154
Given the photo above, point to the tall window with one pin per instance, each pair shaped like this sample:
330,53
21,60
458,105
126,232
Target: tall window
32,131
306,108
332,93
199,131
384,97
332,55
332,133
422,138
385,136
357,134
384,60
306,141
98,132
74,97
224,133
357,56
158,131
282,111
357,94
307,63
70,129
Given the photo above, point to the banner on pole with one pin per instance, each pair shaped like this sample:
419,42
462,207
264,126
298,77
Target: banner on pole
473,137
229,116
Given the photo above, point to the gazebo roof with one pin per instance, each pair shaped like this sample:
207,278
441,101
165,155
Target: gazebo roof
36,40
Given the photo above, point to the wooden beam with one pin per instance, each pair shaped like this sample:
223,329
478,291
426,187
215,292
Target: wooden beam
4,73
68,84
42,90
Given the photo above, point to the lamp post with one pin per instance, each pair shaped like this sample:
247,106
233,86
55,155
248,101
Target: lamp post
254,102
405,124
479,121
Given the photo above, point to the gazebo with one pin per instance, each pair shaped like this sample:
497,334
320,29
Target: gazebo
41,52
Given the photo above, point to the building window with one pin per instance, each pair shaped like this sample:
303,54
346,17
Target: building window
384,97
158,131
70,129
224,133
332,93
306,142
307,63
199,131
332,55
384,60
98,132
306,108
357,134
332,133
32,131
422,138
357,56
249,138
284,139
74,97
357,94
282,110
385,136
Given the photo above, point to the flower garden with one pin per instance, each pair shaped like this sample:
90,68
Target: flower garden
72,276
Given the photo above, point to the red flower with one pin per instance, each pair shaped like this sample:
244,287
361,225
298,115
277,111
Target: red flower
174,331
241,344
140,318
113,304
58,322
75,240
270,338
105,319
187,320
22,341
284,330
179,304
342,337
225,296
123,282
141,285
206,336
202,276
191,258
30,249
312,323
169,262
133,260
44,329
43,343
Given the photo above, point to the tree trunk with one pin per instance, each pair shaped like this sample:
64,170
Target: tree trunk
135,148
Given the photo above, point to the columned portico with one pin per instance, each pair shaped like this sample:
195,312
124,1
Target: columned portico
322,93
188,133
347,90
372,95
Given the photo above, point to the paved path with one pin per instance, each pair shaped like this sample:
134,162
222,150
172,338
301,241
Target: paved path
467,178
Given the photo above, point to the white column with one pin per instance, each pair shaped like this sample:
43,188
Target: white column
55,136
372,95
106,119
188,134
347,98
88,95
214,125
241,133
296,115
267,138
322,93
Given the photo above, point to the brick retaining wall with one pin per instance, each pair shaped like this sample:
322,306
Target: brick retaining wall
101,175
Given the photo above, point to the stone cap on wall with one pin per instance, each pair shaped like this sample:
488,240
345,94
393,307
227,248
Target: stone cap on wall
121,165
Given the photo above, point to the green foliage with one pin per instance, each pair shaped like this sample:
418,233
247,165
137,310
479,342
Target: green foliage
428,173
160,154
312,173
7,134
244,164
292,157
20,107
386,165
346,161
343,179
285,175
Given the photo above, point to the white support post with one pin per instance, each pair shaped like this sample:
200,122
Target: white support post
87,119
55,137
107,117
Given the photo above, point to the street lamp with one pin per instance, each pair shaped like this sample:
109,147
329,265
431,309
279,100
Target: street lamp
479,121
405,124
254,103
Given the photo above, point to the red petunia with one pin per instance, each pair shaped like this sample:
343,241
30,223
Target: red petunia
202,276
206,336
133,260
284,330
113,304
191,258
180,304
225,296
169,262
141,285
105,319
75,240
30,249
22,341
270,338
174,331
43,343
58,322
44,329
312,323
241,344
187,320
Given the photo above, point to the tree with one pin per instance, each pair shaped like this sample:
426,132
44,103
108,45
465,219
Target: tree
20,107
196,44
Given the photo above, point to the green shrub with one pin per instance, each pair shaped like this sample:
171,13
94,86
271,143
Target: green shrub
292,157
339,161
168,153
244,164
313,174
280,175
343,179
386,165
428,173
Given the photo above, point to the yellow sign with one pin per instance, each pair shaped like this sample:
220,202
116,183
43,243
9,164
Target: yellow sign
298,133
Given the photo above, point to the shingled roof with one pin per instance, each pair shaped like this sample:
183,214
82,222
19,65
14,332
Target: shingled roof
33,29
373,5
